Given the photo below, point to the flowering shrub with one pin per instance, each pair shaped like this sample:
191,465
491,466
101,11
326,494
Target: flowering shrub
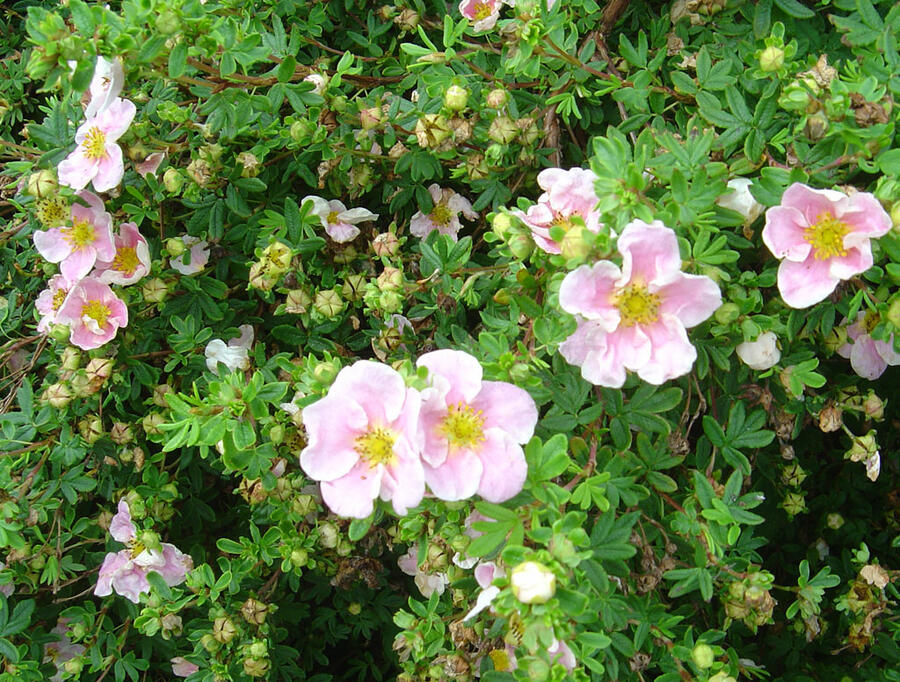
523,340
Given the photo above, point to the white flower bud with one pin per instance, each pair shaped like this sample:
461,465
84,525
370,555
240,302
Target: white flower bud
532,583
739,199
760,354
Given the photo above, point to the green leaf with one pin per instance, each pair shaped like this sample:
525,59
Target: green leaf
359,528
795,9
178,60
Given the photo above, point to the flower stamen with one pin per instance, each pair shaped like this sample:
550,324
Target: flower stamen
94,144
126,260
482,10
463,426
441,215
376,446
826,236
79,234
95,314
636,305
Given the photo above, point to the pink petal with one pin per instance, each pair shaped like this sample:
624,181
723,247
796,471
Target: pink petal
357,215
403,483
587,291
588,348
112,563
505,469
354,494
784,233
462,371
804,284
436,192
865,359
690,298
342,232
420,225
76,170
507,407
52,245
115,119
78,264
109,169
672,355
332,426
457,478
857,260
812,203
121,527
649,253
377,388
867,218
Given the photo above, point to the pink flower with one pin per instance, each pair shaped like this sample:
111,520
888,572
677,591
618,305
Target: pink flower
568,194
635,318
485,574
868,357
428,583
76,247
234,355
50,301
132,259
150,165
181,667
473,430
364,441
482,13
823,237
93,312
97,157
61,651
444,216
339,221
194,260
107,83
125,572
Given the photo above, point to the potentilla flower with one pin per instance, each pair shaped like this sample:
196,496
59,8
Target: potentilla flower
365,440
485,574
760,354
106,85
635,318
868,357
428,583
61,651
444,216
50,300
78,245
150,165
474,430
93,312
181,667
740,199
482,13
132,259
339,221
125,572
195,257
234,355
97,157
568,194
823,237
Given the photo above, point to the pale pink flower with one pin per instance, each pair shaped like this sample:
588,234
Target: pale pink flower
428,583
823,237
77,246
444,216
125,572
50,300
740,200
61,651
364,441
106,85
181,667
195,257
482,13
132,259
235,355
474,430
93,312
568,194
318,82
635,318
97,157
339,221
485,574
150,165
868,357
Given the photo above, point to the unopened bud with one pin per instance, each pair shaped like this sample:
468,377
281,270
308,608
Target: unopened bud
830,418
532,583
297,302
771,59
58,395
223,630
302,131
173,180
386,244
703,655
249,164
42,184
431,130
390,279
834,521
328,535
254,612
151,423
121,433
497,98
91,429
501,224
873,406
154,290
328,303
371,118
503,130
456,97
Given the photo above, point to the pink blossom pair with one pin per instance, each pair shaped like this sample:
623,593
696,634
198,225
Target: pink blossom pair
634,317
868,357
125,572
372,436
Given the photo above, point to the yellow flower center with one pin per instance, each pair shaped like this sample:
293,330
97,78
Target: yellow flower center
59,298
441,215
332,217
636,305
52,212
463,426
826,236
94,144
376,446
79,234
501,660
126,260
136,547
870,321
96,311
562,221
482,10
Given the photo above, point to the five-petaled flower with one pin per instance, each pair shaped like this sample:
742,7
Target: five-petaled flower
97,157
93,312
444,216
568,199
634,318
868,357
194,258
78,245
107,83
364,441
132,259
234,355
125,572
339,221
823,237
482,13
474,429
50,301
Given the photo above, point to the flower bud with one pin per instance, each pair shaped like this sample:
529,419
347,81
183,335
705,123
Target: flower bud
893,313
574,244
793,475
304,505
830,418
223,630
151,422
740,199
873,406
532,583
353,287
862,448
299,558
346,255
722,677
159,394
167,22
503,130
386,244
528,131
456,97
703,655
73,667
154,290
121,433
325,372
794,504
58,395
297,302
834,521
42,184
431,130
98,370
760,354
521,246
173,180
816,126
328,535
254,612
371,118
328,303
249,164
210,643
175,247
302,131
497,98
171,625
501,224
771,59
60,332
277,257
256,667
407,20
91,428
727,313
